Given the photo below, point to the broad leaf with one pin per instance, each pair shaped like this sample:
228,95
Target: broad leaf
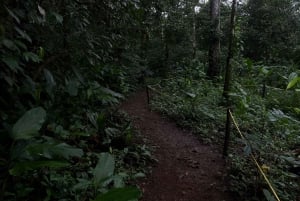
82,184
293,82
120,194
12,63
10,45
42,11
52,150
31,56
247,149
72,87
58,17
111,92
67,151
104,168
49,78
29,124
268,195
21,167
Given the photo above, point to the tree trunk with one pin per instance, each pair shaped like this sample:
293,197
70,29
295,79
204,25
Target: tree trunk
228,73
214,47
194,42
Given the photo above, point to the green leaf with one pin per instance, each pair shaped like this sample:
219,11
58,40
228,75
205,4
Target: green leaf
268,195
41,53
139,175
92,116
51,150
58,17
12,63
72,87
10,45
297,110
49,78
82,184
42,11
247,149
21,167
293,82
104,168
31,56
11,13
111,92
120,194
29,124
112,132
67,151
23,34
192,95
264,70
118,181
249,63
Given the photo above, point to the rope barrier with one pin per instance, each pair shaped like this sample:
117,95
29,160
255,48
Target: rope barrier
222,84
254,159
244,138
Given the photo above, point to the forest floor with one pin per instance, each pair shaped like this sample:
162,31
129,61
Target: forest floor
187,169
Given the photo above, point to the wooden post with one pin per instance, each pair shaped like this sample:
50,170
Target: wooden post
148,95
227,134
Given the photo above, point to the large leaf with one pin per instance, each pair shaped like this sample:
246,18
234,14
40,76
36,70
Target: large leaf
49,78
42,11
59,18
120,194
268,195
31,56
111,92
276,115
21,167
29,124
12,63
10,45
53,150
293,82
72,87
66,150
104,168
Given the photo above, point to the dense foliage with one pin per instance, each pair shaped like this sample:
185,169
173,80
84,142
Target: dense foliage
64,68
270,123
66,65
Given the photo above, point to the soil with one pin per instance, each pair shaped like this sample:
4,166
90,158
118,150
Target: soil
187,169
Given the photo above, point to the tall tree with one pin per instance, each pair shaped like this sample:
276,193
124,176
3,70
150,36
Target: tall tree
270,29
214,46
228,70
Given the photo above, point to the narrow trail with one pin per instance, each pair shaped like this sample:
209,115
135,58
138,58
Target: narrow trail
187,170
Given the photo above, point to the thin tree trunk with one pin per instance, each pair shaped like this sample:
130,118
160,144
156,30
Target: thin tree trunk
214,47
228,73
194,42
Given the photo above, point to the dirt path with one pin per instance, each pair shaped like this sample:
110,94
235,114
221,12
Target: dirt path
186,170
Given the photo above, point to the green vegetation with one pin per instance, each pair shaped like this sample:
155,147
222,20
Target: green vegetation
62,77
66,65
270,123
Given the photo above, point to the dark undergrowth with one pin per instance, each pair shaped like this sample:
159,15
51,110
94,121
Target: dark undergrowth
270,123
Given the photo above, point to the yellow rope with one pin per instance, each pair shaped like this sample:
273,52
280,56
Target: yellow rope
254,159
244,138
